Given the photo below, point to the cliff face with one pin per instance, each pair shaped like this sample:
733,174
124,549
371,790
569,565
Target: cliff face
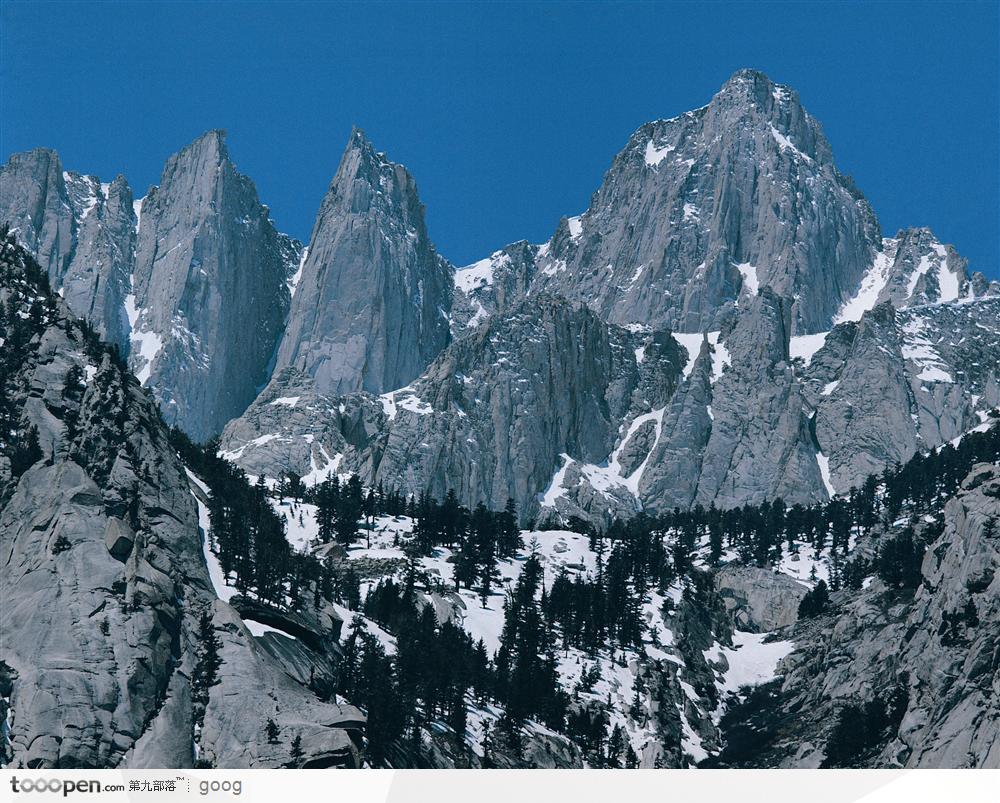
209,295
931,655
372,304
105,579
80,230
700,211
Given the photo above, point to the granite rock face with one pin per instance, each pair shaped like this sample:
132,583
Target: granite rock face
759,600
492,285
210,293
80,230
34,200
371,306
900,380
699,211
104,582
928,649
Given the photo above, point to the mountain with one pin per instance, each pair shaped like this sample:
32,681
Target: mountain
843,354
81,231
492,286
209,289
700,211
108,598
190,281
707,479
372,301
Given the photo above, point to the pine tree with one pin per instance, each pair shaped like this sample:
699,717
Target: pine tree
296,753
271,730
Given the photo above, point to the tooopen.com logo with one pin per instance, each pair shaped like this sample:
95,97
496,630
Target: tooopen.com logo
57,786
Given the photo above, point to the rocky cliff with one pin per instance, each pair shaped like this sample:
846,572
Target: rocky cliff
104,574
80,230
372,304
928,656
209,296
700,211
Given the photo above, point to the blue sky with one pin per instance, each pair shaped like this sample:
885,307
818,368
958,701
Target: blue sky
507,114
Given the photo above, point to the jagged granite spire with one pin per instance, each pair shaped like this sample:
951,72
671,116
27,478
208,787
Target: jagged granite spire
371,308
80,230
209,289
700,211
35,201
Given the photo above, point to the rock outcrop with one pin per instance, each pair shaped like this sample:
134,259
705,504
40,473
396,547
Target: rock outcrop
371,307
80,230
105,580
932,655
759,600
209,293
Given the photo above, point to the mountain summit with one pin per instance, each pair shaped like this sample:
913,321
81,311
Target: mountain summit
370,309
700,211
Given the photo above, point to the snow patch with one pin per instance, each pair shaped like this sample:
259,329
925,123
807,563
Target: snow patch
749,274
872,284
691,343
824,470
555,490
786,144
654,155
293,281
805,346
259,629
752,661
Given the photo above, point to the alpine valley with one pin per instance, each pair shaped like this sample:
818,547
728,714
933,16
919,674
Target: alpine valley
710,478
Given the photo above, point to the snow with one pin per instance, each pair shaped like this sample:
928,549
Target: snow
259,629
829,387
479,316
137,210
749,274
918,349
691,212
934,374
405,399
287,401
479,274
636,275
805,346
656,155
608,475
720,356
948,280
751,660
786,144
575,226
555,489
920,270
691,343
319,473
215,574
145,345
293,281
872,284
824,469
89,372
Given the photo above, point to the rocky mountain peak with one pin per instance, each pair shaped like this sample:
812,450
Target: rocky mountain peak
700,211
371,308
209,290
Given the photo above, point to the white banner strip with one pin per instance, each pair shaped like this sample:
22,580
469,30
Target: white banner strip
502,786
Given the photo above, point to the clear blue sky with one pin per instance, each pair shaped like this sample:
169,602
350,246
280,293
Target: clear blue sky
507,114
